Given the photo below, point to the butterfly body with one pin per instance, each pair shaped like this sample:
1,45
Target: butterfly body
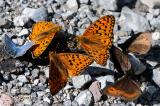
98,38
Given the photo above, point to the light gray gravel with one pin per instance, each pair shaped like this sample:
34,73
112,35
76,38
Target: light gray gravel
27,81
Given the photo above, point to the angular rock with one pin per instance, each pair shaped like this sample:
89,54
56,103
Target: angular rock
108,4
23,32
22,78
81,80
151,3
84,98
129,20
36,14
156,76
155,22
137,66
20,20
84,1
96,91
67,103
105,80
5,23
72,4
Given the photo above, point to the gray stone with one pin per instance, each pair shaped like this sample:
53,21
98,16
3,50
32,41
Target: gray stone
46,99
22,78
118,104
20,20
137,66
84,98
74,103
42,79
27,102
23,32
14,91
84,1
129,20
156,76
72,4
35,82
151,89
156,35
155,22
149,16
67,103
25,90
2,3
19,41
151,3
81,80
96,91
40,93
105,80
68,14
46,71
35,73
108,4
5,23
36,14
61,1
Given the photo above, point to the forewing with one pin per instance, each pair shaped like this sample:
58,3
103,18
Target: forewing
75,63
142,44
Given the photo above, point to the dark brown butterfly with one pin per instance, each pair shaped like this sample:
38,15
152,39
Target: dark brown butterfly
126,65
125,88
63,66
138,44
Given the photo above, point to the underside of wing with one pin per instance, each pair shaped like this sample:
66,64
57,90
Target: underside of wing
125,88
57,74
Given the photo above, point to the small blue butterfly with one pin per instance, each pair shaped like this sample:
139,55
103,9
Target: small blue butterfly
15,50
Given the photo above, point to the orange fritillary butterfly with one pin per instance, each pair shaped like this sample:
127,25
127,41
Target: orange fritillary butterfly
42,34
125,88
98,38
64,65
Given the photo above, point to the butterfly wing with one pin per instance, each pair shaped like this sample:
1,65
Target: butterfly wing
125,88
57,74
142,44
98,38
75,63
121,60
42,34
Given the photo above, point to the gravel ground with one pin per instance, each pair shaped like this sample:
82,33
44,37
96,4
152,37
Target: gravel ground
25,83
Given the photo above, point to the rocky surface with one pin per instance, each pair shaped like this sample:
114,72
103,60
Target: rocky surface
25,82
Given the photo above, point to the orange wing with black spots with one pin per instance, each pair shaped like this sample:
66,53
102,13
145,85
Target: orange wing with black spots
124,88
64,65
98,38
42,34
75,63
